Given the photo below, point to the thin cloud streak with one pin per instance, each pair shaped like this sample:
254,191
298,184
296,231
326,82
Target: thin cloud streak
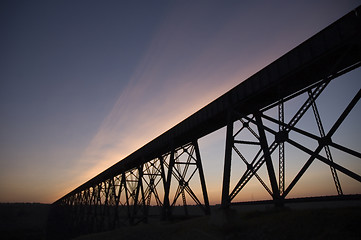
172,81
156,99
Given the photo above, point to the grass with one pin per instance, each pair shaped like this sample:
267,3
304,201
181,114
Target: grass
28,221
20,221
341,223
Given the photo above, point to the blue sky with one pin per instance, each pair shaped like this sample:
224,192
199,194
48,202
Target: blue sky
85,83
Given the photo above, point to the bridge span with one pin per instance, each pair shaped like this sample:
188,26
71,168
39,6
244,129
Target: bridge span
152,180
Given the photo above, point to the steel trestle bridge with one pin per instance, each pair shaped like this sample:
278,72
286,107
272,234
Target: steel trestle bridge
168,170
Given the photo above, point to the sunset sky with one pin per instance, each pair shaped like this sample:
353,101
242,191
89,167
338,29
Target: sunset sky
85,83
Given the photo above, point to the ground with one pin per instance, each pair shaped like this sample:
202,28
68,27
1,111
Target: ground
20,221
339,223
28,221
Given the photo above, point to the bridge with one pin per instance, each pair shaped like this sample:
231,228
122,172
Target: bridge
150,182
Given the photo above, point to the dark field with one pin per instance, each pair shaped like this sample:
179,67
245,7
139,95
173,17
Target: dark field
333,223
23,221
28,221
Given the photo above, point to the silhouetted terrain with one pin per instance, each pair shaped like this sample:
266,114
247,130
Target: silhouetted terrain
335,223
23,221
28,221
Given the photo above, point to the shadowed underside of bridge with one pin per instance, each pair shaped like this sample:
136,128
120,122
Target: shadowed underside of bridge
165,172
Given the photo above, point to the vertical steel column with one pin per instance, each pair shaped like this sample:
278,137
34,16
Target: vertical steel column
116,202
227,162
267,157
162,173
139,189
166,206
281,149
145,215
98,206
93,209
201,176
122,185
126,195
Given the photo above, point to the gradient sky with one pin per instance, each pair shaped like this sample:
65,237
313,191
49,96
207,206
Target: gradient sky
85,83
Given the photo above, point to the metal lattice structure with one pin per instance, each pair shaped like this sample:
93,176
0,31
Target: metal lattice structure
139,194
254,124
150,182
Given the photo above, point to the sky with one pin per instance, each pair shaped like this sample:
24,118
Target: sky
83,84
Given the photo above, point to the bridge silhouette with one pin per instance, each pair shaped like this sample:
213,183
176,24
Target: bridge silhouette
151,181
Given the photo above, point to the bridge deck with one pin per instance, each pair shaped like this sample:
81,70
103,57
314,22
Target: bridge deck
332,51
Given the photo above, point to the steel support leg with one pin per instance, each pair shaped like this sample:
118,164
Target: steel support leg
267,156
227,163
166,206
201,176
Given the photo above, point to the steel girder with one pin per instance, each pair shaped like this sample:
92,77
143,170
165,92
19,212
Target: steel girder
278,134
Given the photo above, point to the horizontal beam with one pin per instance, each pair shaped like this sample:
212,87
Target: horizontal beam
305,199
